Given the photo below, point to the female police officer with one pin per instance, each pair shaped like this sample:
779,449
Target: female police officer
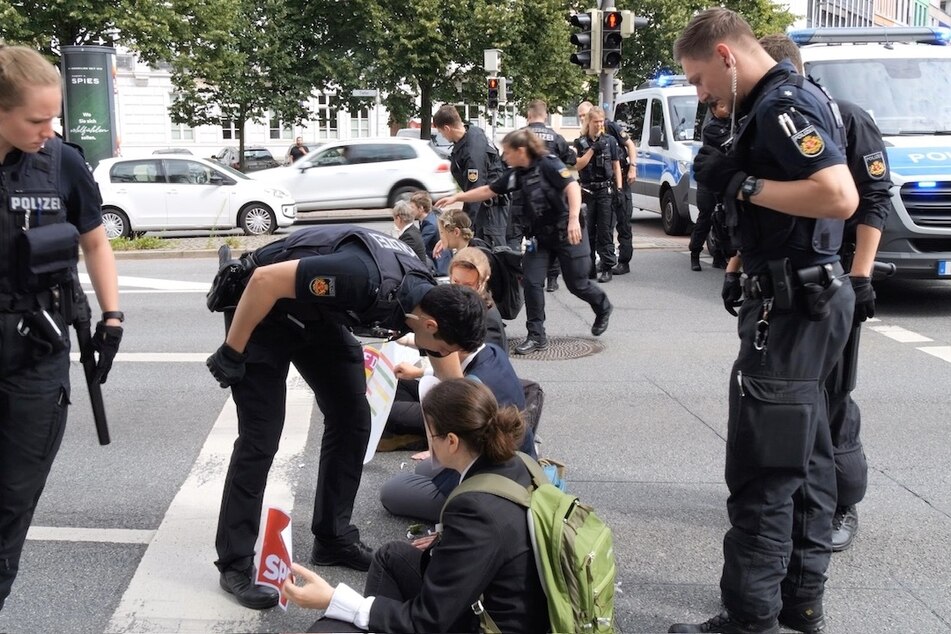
50,204
552,198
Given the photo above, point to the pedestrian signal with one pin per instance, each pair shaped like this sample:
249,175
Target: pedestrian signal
611,39
492,93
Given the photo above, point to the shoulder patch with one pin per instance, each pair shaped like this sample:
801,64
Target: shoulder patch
808,142
472,175
875,165
324,286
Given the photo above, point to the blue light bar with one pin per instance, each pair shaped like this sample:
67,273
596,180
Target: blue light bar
838,35
926,184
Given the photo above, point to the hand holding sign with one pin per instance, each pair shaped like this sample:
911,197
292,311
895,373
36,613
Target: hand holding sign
314,592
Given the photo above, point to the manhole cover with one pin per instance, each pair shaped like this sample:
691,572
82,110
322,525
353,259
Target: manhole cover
560,348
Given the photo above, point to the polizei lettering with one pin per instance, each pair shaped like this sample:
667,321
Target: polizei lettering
36,203
391,243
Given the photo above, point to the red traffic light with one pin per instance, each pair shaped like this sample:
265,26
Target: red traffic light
612,20
493,83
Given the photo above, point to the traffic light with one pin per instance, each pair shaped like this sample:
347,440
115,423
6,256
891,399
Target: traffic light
503,90
492,93
588,40
611,39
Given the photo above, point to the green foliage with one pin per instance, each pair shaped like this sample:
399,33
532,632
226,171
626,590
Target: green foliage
141,243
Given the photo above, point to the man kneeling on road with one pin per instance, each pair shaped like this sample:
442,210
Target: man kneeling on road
302,295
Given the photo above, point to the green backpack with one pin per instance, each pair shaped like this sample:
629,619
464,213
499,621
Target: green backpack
574,551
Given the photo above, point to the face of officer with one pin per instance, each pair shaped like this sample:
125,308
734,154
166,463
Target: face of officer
516,157
28,126
713,77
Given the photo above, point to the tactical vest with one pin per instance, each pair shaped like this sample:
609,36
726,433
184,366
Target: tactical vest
395,260
762,229
601,167
547,208
34,254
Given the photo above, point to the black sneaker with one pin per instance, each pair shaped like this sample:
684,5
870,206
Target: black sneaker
621,269
724,624
803,617
552,285
845,525
239,584
356,555
694,261
531,345
601,321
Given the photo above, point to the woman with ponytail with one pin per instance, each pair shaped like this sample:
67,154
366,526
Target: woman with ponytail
484,550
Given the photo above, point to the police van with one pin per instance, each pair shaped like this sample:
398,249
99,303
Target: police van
902,76
659,117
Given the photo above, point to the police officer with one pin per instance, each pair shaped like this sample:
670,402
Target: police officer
474,162
301,296
599,168
868,163
787,191
623,203
716,132
553,202
50,204
537,116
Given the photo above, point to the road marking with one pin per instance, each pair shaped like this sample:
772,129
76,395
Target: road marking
155,357
101,535
156,284
942,352
900,335
175,587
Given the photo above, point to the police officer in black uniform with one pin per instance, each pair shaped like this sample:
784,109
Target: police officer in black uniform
300,297
868,163
787,191
599,169
475,162
552,200
51,205
716,132
537,116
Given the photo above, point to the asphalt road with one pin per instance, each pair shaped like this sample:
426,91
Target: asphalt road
123,536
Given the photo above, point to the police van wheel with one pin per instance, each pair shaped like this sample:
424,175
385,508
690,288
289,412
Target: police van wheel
116,223
257,219
673,222
402,193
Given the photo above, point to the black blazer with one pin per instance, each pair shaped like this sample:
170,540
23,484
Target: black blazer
484,550
414,239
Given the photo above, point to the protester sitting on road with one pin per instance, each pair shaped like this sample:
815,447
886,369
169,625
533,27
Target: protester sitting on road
427,219
430,585
404,218
455,232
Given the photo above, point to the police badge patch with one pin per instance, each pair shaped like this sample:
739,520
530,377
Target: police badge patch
472,175
875,164
324,286
808,142
564,173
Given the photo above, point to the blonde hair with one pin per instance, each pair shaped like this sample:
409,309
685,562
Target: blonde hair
404,211
586,126
473,259
457,219
22,68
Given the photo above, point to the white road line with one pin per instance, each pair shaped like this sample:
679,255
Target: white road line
156,283
900,335
175,588
942,352
155,357
101,535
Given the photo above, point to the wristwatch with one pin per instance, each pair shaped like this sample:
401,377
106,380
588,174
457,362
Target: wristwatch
113,314
751,185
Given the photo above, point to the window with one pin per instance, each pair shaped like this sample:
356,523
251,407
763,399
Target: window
631,115
181,132
569,117
683,113
379,153
279,130
229,131
326,118
331,156
360,123
657,118
144,171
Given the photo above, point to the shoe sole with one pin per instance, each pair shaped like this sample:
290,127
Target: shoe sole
517,351
819,627
346,563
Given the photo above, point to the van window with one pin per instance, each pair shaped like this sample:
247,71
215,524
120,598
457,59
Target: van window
657,116
683,112
631,115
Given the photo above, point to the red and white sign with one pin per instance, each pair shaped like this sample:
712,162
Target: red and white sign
275,554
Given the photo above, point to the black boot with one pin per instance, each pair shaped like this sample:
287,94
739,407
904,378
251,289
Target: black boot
695,261
845,524
725,624
803,617
552,285
238,583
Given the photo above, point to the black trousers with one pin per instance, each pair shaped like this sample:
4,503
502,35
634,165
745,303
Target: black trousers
625,236
601,223
845,422
491,223
706,201
34,395
575,261
779,464
330,361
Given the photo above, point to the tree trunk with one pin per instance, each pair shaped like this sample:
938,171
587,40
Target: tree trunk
425,111
239,124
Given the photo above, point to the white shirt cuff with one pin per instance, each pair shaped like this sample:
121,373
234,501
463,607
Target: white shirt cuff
350,606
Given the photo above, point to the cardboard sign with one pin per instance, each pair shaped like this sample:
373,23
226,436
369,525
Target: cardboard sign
379,365
275,555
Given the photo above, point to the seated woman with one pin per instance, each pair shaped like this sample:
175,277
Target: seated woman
484,549
404,217
455,233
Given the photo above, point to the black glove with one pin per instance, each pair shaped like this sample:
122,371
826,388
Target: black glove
583,144
718,172
732,292
106,343
227,365
619,199
864,299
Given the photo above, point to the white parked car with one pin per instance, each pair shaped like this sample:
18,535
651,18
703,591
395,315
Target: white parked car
169,192
362,174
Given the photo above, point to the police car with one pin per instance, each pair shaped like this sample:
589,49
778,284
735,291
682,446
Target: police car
659,117
902,76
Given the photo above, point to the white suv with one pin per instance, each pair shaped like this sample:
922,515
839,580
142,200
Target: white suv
363,174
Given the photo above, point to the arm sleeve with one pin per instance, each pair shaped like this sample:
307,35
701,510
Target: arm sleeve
505,183
349,606
868,163
563,152
83,202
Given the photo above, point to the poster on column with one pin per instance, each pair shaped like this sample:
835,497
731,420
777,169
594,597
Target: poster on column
379,363
88,101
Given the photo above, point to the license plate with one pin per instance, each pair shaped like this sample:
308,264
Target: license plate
944,268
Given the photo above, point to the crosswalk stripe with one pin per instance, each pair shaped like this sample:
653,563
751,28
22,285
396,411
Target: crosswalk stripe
101,535
899,334
175,587
155,357
942,352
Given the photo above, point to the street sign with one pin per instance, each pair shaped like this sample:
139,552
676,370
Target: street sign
371,92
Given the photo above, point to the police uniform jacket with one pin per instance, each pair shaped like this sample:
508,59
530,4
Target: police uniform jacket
868,162
787,130
716,132
618,134
600,169
471,162
555,143
484,550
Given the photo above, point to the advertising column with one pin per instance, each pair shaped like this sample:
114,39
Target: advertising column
88,103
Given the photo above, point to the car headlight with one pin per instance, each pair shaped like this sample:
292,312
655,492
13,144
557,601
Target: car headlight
277,193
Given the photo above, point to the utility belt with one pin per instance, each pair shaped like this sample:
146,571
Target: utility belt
37,312
596,186
24,303
813,286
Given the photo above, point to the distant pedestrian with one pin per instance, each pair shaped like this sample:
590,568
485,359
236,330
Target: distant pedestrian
298,150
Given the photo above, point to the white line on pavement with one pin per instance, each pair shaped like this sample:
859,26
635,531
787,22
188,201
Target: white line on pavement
156,283
175,588
900,334
101,535
942,352
155,357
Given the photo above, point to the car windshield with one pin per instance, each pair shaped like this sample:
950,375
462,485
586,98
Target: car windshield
904,96
683,112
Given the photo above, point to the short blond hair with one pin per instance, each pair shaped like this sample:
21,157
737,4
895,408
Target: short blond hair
22,68
457,219
473,259
707,29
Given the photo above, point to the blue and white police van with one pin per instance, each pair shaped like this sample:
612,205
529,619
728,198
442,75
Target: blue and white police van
659,117
902,76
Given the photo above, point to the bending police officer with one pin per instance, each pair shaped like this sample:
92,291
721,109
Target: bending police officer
787,191
302,296
716,132
553,202
50,204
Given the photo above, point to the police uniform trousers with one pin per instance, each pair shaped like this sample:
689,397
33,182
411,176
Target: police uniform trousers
845,421
491,223
34,395
779,463
706,201
330,361
575,261
625,236
601,223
